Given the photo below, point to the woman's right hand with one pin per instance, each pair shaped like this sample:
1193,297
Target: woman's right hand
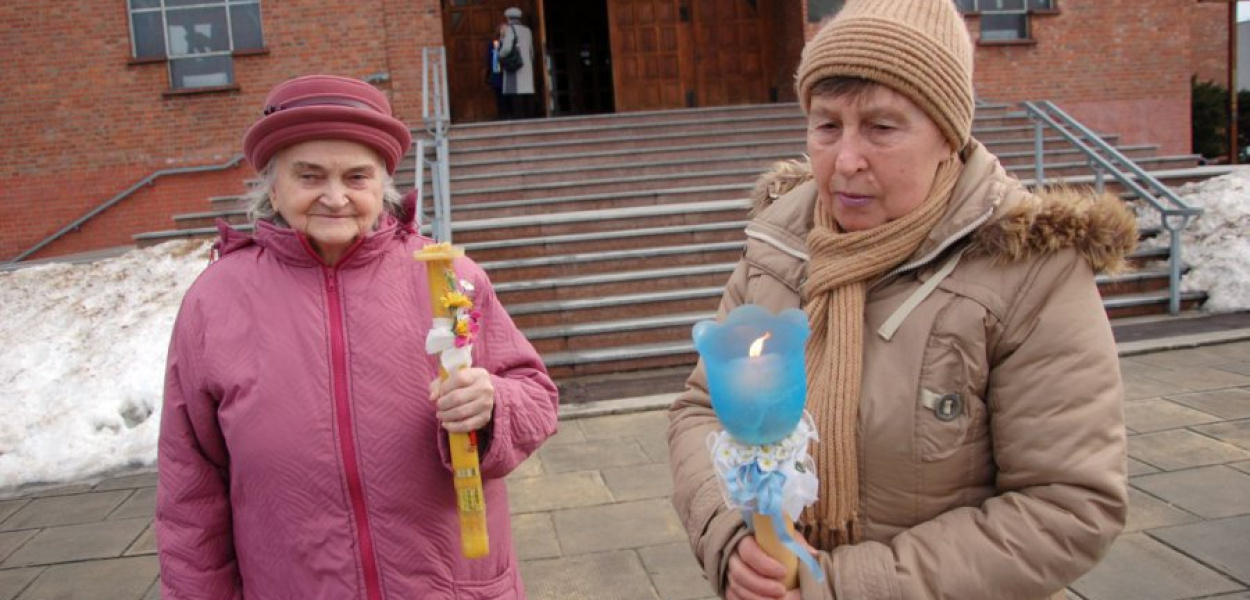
754,575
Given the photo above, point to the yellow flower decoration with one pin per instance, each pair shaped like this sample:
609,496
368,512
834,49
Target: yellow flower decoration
455,300
462,327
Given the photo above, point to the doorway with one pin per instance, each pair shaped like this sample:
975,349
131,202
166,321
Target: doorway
580,57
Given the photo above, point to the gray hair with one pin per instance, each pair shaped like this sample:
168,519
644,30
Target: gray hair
260,202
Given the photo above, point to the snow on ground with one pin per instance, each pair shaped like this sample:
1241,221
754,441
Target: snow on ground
82,355
1217,244
82,347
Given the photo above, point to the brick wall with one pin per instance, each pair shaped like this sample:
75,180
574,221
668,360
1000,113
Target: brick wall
1120,66
1209,41
83,122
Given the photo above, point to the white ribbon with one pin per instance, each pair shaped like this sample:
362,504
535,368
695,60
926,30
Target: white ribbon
441,340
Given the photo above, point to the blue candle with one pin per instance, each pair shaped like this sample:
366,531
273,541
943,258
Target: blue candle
758,398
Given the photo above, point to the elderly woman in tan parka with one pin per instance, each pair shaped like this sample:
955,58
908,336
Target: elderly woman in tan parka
961,370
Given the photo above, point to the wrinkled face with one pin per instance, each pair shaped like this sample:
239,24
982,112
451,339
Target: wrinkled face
874,155
331,190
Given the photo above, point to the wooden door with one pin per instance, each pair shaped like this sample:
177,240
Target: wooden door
730,52
650,46
468,28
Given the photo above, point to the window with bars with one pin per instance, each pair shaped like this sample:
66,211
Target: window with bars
196,37
1004,20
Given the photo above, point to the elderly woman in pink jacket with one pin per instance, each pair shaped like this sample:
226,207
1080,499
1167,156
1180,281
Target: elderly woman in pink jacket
303,449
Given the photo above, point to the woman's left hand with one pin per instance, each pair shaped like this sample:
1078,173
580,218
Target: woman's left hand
465,401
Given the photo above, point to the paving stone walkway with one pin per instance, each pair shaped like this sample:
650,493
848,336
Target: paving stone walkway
592,518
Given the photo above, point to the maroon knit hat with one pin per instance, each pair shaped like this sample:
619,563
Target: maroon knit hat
319,107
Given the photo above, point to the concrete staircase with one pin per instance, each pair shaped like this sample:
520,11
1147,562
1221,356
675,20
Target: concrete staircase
608,237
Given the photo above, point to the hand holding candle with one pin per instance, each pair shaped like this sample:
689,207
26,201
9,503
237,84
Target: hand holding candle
758,383
451,337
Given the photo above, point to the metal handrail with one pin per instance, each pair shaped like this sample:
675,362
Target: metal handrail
436,118
1105,159
76,223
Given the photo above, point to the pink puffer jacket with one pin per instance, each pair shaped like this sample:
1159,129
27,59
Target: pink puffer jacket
300,456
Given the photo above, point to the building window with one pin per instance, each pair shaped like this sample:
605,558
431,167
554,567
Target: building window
197,37
1004,20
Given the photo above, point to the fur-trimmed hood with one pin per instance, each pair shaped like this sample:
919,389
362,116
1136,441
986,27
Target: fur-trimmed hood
1016,224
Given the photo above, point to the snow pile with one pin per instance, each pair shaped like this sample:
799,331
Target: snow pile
82,355
1217,244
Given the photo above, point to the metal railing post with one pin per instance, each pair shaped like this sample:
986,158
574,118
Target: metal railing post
1039,155
1105,160
436,114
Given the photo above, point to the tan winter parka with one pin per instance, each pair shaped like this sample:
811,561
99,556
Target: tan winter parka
992,442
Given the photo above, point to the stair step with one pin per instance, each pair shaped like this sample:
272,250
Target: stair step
606,334
547,208
608,185
547,267
624,306
590,221
611,131
751,163
606,283
511,248
629,156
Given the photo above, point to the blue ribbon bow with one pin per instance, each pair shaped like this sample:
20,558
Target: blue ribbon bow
752,486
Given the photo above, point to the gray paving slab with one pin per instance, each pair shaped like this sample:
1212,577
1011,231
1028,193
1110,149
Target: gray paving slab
1140,387
645,424
146,544
1200,379
617,526
1182,449
126,482
1232,403
534,536
569,432
605,454
1236,433
1209,492
1137,467
1243,466
60,490
617,575
1148,512
1140,568
656,447
674,572
1241,368
553,492
116,579
1207,356
1223,544
65,510
154,592
15,581
141,503
106,539
1157,414
639,482
531,467
10,541
8,507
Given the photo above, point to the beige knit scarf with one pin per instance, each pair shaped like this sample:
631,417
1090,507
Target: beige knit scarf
841,268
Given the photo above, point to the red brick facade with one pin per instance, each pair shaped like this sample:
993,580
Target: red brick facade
84,121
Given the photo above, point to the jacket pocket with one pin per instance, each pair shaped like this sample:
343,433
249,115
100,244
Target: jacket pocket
950,411
501,587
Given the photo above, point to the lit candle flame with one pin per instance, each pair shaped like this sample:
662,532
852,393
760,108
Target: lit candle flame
757,347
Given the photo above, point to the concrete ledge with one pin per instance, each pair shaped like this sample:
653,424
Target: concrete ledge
1183,341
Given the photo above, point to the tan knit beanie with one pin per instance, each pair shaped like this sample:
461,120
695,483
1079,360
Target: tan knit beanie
919,48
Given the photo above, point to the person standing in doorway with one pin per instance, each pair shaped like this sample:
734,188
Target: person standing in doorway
518,86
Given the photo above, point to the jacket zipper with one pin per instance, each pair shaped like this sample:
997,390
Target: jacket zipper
338,357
